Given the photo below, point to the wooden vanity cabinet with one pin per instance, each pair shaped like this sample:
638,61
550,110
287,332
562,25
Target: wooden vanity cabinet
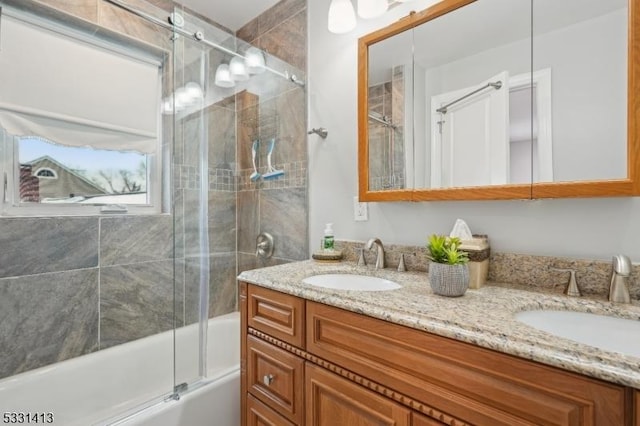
473,384
334,367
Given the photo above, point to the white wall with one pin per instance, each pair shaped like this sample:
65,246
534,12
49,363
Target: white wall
581,228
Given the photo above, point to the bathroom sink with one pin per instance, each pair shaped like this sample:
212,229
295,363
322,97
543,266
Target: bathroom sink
351,282
602,331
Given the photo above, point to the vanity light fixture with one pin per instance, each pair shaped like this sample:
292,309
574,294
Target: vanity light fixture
223,76
184,97
342,17
254,60
194,92
240,67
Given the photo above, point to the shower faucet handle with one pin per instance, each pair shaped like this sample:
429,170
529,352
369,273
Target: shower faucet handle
264,245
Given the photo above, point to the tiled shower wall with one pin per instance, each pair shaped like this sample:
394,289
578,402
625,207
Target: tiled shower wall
278,206
73,285
70,286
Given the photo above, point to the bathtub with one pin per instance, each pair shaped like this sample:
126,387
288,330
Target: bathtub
130,384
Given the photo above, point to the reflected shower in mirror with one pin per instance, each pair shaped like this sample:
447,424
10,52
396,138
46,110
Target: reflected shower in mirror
390,113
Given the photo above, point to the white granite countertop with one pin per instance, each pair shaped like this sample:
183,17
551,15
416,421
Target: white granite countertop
483,317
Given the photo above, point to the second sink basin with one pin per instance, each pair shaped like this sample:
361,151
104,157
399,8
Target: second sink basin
602,331
351,282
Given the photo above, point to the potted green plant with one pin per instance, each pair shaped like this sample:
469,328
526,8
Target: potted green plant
448,270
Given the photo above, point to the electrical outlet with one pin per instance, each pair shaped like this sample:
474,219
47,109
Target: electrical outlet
360,210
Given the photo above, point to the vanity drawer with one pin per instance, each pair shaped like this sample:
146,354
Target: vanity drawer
276,314
259,414
420,420
476,385
276,378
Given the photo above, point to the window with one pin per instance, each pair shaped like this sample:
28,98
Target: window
82,175
43,173
79,121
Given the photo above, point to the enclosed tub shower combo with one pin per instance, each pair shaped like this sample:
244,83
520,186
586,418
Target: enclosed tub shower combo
126,134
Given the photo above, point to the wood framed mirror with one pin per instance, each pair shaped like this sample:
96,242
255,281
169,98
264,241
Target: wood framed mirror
501,99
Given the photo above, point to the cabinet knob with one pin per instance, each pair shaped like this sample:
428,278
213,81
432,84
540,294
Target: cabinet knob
267,380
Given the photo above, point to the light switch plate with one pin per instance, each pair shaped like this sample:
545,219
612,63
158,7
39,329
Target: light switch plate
360,210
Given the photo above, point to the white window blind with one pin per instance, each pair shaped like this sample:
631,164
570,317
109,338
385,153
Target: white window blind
73,93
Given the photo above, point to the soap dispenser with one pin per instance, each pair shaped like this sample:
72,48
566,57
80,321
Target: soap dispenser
327,252
327,241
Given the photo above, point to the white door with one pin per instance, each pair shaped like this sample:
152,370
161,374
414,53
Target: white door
470,137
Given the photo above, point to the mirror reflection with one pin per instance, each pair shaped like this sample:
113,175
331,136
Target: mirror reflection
583,44
390,114
499,92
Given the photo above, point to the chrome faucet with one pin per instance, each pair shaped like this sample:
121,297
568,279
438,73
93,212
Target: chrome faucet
620,273
572,288
380,255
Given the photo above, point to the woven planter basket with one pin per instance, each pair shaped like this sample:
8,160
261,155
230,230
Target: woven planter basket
448,280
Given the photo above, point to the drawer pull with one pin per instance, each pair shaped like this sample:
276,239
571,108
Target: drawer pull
267,380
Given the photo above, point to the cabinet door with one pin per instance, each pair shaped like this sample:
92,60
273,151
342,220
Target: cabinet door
259,414
332,400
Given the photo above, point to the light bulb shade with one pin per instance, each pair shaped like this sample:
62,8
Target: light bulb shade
194,91
254,60
223,76
182,99
368,9
167,105
342,17
238,70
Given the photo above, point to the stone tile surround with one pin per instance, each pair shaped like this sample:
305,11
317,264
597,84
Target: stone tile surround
278,206
534,272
